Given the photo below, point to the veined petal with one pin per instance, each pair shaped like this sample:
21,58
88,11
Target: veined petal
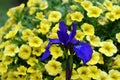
45,55
62,27
83,51
63,37
55,41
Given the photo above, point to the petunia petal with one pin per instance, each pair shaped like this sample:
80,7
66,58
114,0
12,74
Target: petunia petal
62,26
83,51
72,33
63,37
55,41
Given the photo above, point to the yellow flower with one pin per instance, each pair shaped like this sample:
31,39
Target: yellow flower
10,34
55,51
32,61
53,67
110,16
59,78
94,59
118,37
102,21
75,75
103,76
39,15
11,50
94,11
43,4
79,1
101,59
108,48
4,76
32,69
88,29
86,4
68,19
83,72
3,67
54,16
43,46
94,40
108,4
26,34
37,51
3,44
21,70
7,60
116,11
116,63
31,3
74,7
13,76
32,10
114,74
55,28
53,35
25,51
77,16
35,41
36,76
79,35
44,28
94,72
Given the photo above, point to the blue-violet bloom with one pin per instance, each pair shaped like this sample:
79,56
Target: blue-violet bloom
82,49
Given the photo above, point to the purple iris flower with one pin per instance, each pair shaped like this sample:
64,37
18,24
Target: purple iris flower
83,50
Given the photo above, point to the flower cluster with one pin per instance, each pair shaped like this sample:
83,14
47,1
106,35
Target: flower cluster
39,37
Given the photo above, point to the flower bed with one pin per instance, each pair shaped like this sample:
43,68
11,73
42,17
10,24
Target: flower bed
61,40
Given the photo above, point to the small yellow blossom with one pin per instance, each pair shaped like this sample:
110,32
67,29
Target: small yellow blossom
54,16
110,16
103,76
3,67
36,76
116,11
55,51
7,60
108,4
88,29
79,35
101,59
35,41
108,48
73,7
11,50
21,70
59,78
37,51
94,72
86,4
102,21
25,51
32,61
32,3
83,72
53,67
94,59
77,16
44,28
39,15
43,4
94,11
32,10
114,74
118,37
32,69
79,1
4,76
116,63
68,19
10,34
55,28
12,76
94,40
53,35
75,75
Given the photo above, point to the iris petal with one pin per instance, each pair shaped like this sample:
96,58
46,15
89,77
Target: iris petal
55,41
62,26
83,51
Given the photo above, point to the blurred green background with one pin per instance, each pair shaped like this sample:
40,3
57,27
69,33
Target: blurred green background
5,5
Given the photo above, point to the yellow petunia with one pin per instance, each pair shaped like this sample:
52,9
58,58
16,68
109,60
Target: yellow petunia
53,67
103,76
32,61
108,4
114,74
12,76
110,16
95,58
68,19
94,11
36,76
37,51
7,60
94,40
35,41
25,51
79,1
11,50
55,51
75,75
10,34
32,3
39,15
77,16
101,59
32,69
54,16
44,29
116,11
79,35
43,4
32,10
118,37
3,67
108,48
88,29
83,72
94,72
21,70
53,35
86,4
